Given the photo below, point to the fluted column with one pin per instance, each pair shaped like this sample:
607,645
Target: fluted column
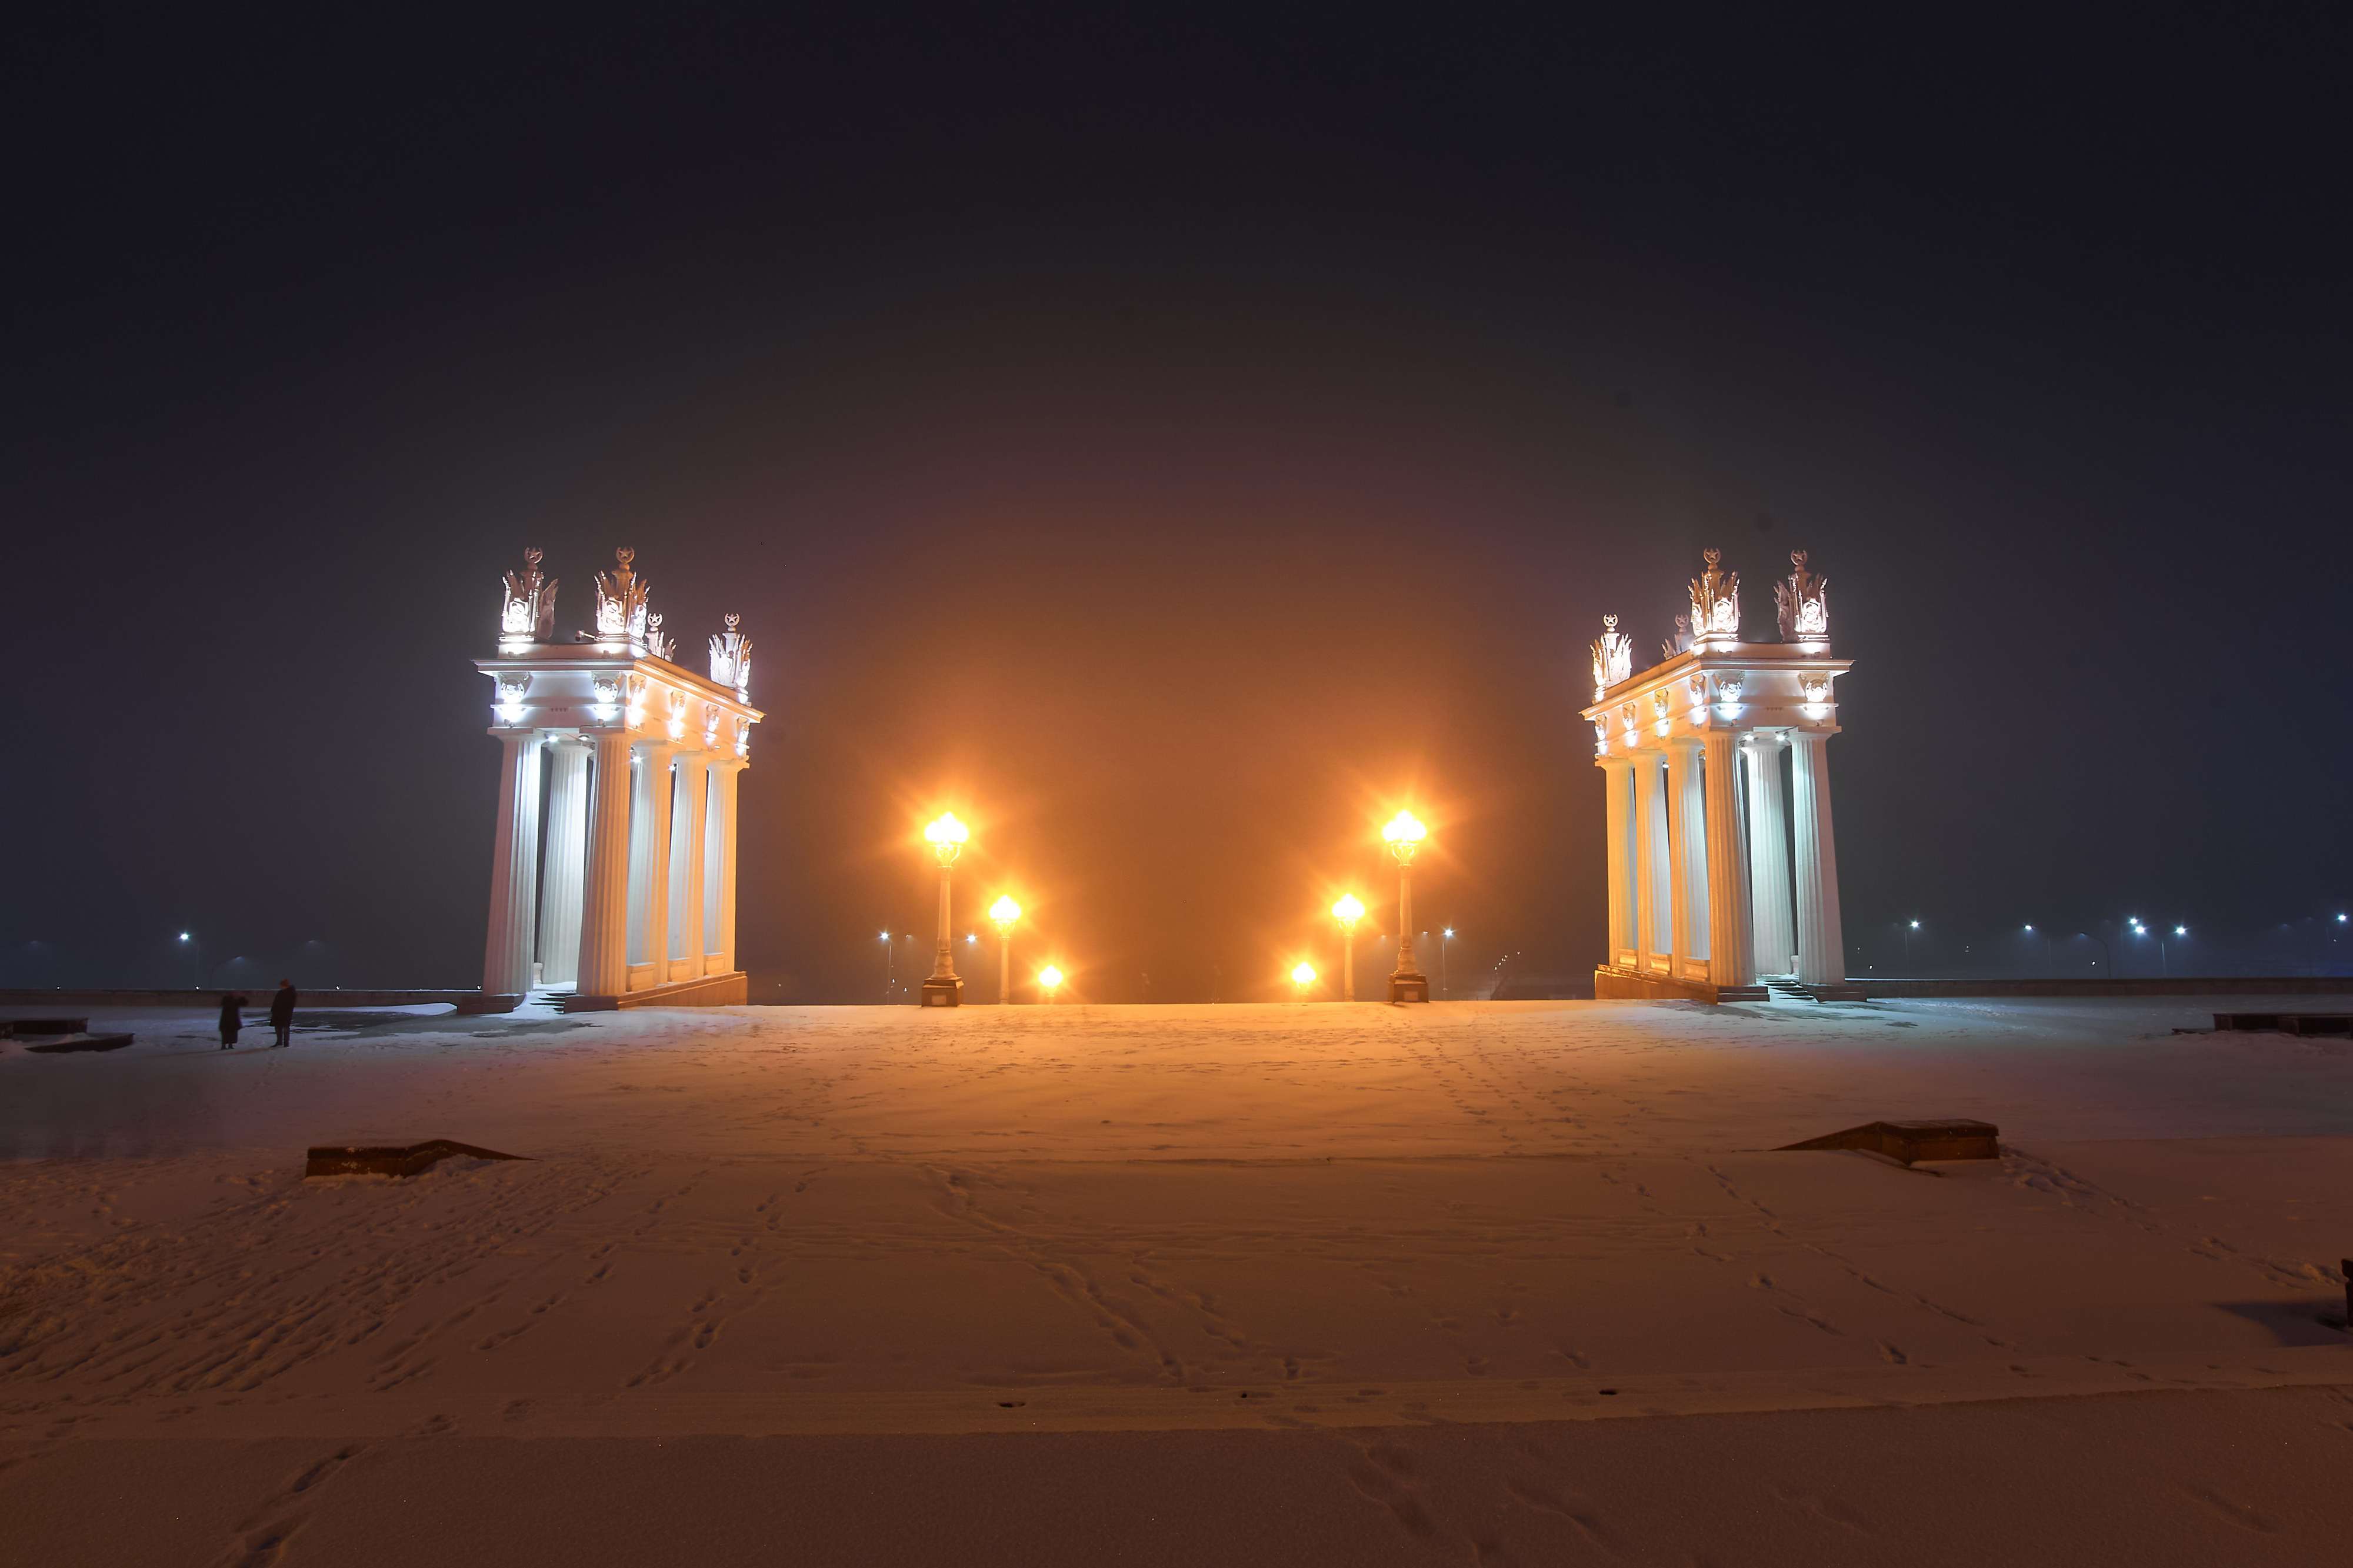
514,869
650,915
1822,944
567,849
1768,855
1652,878
605,901
1731,961
1618,787
687,822
1686,859
719,870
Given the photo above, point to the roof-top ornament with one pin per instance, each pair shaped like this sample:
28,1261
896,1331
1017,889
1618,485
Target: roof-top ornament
1613,656
1803,601
1715,603
621,613
731,659
1679,643
529,613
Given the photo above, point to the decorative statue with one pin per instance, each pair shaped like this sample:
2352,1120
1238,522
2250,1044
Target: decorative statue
1817,689
529,613
1715,601
1613,656
1804,602
657,645
710,711
1679,643
621,602
731,659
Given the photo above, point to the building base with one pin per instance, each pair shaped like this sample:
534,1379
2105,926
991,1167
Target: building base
1408,987
1613,985
948,993
730,990
489,1002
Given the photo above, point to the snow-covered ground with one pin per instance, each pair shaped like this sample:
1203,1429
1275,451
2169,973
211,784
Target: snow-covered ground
1473,1282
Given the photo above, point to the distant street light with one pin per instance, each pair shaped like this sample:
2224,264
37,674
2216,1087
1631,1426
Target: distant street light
2105,954
1348,910
1404,833
1443,942
1004,914
1302,975
946,836
1908,929
890,965
1049,979
2046,944
197,952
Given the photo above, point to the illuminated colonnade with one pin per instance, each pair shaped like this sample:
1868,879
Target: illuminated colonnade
622,890
1703,898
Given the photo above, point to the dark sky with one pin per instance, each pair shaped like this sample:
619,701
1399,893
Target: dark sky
1171,443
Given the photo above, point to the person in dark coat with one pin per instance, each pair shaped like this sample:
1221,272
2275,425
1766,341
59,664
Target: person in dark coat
231,1019
282,1011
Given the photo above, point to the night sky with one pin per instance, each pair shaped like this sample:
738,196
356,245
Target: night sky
1172,445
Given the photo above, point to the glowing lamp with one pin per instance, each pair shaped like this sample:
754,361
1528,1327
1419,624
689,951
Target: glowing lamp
1302,975
1349,909
1049,980
946,836
1403,834
1005,911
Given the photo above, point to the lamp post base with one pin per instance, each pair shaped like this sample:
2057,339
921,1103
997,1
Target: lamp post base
1408,987
948,993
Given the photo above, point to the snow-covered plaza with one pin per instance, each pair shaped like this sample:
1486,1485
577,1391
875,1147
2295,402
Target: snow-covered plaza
1465,1283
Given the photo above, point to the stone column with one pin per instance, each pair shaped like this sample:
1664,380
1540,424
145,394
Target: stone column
567,844
719,867
514,869
1822,944
687,823
649,858
605,901
1768,855
1731,959
1617,787
1686,857
1653,877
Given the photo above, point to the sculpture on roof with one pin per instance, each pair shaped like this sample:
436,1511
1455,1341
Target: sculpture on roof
657,646
731,659
1679,643
1715,601
529,613
1613,656
1803,601
621,615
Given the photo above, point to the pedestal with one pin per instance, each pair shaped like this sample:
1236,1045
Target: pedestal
1408,987
948,993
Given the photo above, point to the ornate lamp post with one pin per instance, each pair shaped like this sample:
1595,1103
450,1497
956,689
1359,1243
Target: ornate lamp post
1348,912
946,836
1050,980
1404,833
1003,914
1302,975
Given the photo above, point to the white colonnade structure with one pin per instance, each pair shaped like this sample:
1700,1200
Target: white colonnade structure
613,878
1720,870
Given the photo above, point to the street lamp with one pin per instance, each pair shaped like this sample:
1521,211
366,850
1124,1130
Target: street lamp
946,836
1404,833
2046,943
196,951
2105,954
1443,942
1348,910
1049,979
1302,975
1003,914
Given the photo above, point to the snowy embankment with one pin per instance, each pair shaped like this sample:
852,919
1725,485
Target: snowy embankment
853,1225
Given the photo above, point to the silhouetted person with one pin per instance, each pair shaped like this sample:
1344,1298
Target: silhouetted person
231,1020
282,1011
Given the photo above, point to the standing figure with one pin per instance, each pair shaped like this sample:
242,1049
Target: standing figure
231,1021
282,1011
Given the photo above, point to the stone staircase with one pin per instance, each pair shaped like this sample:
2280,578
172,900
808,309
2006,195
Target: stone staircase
1783,989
